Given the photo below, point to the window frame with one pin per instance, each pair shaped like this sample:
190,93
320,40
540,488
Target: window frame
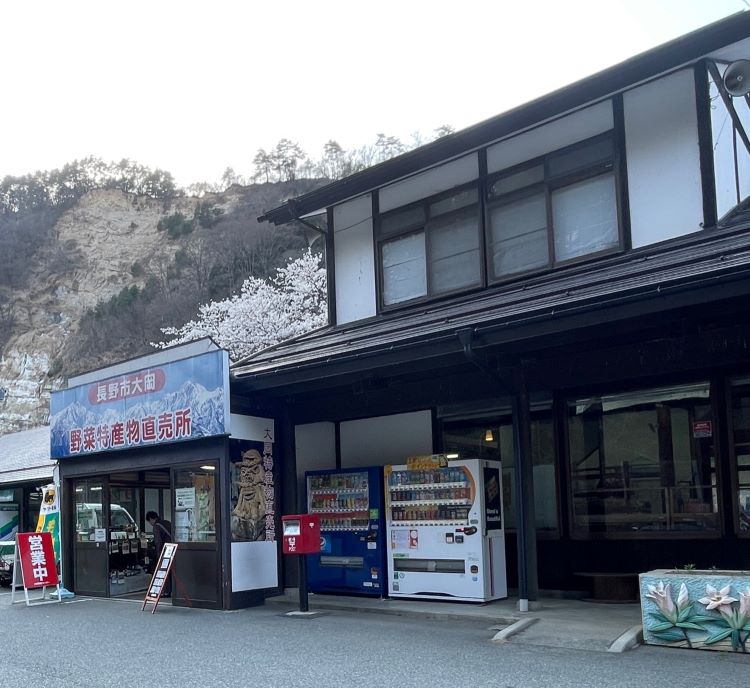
547,186
382,238
734,382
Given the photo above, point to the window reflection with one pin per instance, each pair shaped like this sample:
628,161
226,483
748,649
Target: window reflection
195,504
493,439
741,436
643,462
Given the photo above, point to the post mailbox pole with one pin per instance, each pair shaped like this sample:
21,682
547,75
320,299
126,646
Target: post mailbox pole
301,536
303,603
302,564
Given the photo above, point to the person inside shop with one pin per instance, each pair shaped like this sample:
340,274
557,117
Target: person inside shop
162,534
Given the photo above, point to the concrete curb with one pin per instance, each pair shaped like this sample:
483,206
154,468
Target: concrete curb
464,615
520,625
628,640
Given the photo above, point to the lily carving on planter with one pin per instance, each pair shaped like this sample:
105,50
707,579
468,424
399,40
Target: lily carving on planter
717,616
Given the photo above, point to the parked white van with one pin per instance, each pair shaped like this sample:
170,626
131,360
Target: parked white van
89,519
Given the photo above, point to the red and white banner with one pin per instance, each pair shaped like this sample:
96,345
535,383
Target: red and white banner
37,555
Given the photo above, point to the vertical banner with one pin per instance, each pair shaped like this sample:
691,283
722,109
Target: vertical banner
49,517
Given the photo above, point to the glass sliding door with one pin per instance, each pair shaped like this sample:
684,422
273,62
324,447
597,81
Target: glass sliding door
197,579
493,439
91,538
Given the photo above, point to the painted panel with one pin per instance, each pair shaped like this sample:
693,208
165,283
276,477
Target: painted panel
354,260
430,182
385,439
563,132
700,610
661,140
253,490
723,146
181,400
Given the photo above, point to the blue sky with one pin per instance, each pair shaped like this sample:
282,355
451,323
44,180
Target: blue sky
194,87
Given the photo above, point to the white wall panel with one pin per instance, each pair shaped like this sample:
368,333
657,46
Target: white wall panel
251,428
315,445
563,132
352,212
385,439
661,140
430,182
354,260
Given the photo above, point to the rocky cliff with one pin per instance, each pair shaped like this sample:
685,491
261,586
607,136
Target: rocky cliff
107,241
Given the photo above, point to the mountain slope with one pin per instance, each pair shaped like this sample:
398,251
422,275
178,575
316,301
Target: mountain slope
109,275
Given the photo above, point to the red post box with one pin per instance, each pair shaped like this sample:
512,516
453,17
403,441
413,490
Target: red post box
301,533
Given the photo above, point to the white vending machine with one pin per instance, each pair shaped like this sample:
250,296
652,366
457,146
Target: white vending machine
445,536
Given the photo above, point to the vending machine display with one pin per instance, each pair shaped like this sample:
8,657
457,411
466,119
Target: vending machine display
349,503
445,530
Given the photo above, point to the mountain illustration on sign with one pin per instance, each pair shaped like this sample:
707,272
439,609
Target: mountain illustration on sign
207,414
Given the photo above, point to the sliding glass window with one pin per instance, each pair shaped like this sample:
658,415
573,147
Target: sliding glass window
643,463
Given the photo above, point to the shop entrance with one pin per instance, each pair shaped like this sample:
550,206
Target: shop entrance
113,550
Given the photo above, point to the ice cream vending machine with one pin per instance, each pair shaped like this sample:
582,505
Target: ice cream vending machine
445,532
349,503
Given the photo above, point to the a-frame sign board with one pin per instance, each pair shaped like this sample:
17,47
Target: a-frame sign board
35,559
161,572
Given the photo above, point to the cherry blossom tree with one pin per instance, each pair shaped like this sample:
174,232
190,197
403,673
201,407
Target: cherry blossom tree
265,312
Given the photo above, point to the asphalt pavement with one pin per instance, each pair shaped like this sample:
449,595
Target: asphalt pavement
102,643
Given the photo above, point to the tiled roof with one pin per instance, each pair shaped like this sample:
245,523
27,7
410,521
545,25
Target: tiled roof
25,456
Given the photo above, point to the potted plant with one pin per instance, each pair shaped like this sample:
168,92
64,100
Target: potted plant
707,610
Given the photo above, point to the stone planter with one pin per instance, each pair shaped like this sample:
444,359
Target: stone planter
705,610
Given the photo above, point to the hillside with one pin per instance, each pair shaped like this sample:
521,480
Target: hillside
105,274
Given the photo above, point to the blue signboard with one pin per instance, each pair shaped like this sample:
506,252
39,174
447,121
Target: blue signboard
172,402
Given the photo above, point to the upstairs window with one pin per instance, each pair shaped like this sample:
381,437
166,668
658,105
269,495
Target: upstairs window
555,209
430,248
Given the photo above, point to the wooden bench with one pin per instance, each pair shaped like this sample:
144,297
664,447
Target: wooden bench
613,588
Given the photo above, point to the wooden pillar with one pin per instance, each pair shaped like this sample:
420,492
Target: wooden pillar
528,575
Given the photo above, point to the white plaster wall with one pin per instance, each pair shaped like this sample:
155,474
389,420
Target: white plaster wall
563,132
354,260
315,445
251,428
661,141
385,439
424,184
254,565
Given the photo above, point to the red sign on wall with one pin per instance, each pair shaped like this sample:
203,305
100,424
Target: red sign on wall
37,555
703,428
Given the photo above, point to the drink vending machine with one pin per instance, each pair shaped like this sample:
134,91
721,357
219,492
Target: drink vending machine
445,530
349,503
